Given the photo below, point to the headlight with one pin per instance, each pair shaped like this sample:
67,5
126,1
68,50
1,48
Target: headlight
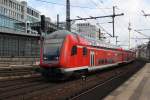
45,58
56,58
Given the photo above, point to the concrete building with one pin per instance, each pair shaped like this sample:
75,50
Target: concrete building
62,24
143,51
88,30
16,16
18,42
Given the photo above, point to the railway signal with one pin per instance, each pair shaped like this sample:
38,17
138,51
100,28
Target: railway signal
43,23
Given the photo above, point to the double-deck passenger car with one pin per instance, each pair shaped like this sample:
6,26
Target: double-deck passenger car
65,53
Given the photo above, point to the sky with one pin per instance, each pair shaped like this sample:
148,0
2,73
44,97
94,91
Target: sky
132,10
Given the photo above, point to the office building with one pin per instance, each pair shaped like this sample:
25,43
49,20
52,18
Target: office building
16,16
17,39
88,30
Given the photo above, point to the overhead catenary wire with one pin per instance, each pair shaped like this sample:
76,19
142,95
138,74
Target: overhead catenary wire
101,1
76,6
97,6
96,24
143,29
99,25
141,33
92,1
70,5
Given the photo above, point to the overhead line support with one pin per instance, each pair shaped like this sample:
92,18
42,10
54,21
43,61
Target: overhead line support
96,17
113,19
68,21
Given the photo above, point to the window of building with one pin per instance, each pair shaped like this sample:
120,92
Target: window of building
22,10
13,5
5,2
74,50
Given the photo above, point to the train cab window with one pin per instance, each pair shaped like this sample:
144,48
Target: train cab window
74,50
84,51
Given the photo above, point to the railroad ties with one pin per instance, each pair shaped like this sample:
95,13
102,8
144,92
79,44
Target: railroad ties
94,85
17,72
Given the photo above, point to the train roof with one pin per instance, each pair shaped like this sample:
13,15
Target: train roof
91,41
58,34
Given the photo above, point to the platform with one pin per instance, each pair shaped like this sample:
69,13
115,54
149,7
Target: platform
136,88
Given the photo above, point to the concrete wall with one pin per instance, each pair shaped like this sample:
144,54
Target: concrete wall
6,62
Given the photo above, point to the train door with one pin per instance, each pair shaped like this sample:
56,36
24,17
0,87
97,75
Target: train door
92,58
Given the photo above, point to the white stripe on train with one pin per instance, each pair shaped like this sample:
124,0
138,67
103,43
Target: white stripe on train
92,68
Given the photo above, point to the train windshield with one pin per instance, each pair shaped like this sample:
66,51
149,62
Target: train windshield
52,45
52,49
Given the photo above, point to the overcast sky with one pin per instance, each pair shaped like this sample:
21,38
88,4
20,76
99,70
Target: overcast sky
131,8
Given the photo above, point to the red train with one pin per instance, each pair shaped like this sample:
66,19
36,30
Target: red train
65,53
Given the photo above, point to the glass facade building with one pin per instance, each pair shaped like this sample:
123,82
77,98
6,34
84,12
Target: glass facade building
11,24
15,38
15,16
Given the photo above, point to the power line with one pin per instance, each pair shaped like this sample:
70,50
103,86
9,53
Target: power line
98,17
101,1
94,3
113,16
76,6
143,29
140,38
97,6
104,30
141,33
98,24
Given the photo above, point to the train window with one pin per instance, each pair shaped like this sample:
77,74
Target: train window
99,61
84,51
105,60
110,61
74,50
102,61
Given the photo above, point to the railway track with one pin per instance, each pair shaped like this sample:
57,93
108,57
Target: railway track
19,87
75,89
10,72
103,88
38,88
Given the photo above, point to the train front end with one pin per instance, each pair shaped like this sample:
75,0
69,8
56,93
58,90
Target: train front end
51,52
